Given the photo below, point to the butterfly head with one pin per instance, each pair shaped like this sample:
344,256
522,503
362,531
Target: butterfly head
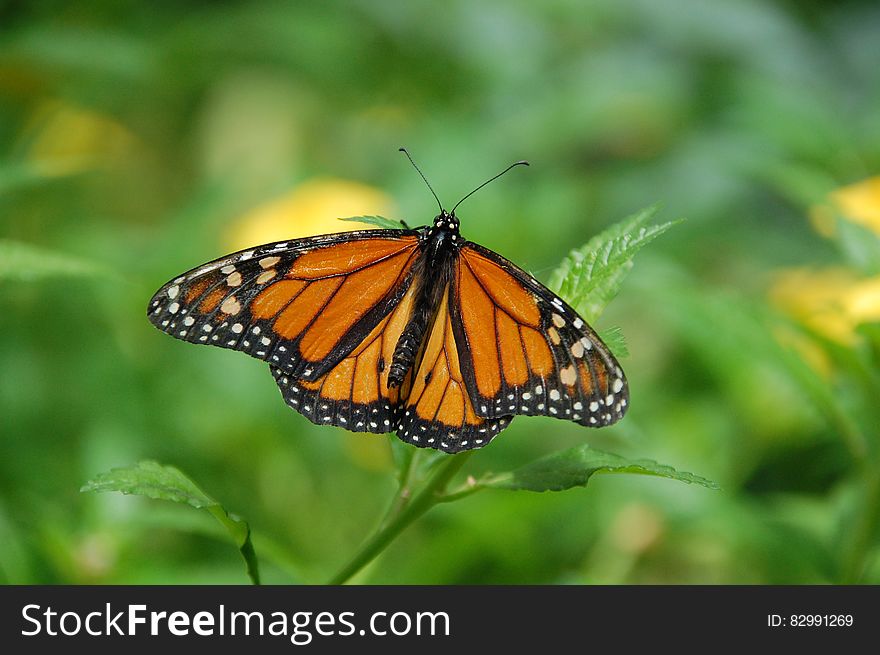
443,236
446,221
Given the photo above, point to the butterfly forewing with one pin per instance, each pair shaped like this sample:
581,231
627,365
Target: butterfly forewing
300,305
525,351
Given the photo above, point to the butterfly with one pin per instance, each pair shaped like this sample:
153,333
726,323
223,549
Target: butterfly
413,331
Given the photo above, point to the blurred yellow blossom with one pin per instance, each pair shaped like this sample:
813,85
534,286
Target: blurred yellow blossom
311,208
807,348
859,202
832,301
636,528
64,139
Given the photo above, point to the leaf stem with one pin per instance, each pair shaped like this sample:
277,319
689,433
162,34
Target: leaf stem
429,495
405,479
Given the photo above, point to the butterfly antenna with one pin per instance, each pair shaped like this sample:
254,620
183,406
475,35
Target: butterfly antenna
516,163
405,152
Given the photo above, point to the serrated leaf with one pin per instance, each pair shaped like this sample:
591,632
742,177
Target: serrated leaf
590,276
574,468
616,342
22,262
378,221
155,480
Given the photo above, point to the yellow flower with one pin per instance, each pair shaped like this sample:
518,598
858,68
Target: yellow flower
832,301
311,208
64,139
862,301
859,203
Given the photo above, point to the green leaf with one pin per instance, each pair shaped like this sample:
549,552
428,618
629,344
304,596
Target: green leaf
574,468
22,262
378,221
616,342
155,480
590,276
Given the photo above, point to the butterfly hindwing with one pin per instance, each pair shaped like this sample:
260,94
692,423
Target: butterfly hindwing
437,411
300,305
525,351
355,394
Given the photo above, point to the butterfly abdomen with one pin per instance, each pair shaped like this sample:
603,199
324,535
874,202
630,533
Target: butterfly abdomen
438,254
405,352
410,342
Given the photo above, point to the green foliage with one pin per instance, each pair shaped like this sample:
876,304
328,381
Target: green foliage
616,342
859,245
574,467
378,221
20,262
591,276
16,175
160,482
146,140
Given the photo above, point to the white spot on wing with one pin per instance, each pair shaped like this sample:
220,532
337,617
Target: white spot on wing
568,375
230,306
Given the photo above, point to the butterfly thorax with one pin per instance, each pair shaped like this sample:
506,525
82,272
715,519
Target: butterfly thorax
431,274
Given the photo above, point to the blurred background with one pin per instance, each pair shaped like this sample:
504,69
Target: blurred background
138,140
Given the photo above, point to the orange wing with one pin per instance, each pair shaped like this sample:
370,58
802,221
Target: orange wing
524,351
354,394
437,411
301,305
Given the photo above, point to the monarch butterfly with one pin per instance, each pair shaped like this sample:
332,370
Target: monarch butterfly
416,331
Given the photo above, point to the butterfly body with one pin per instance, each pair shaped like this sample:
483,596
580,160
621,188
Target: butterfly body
439,246
416,331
